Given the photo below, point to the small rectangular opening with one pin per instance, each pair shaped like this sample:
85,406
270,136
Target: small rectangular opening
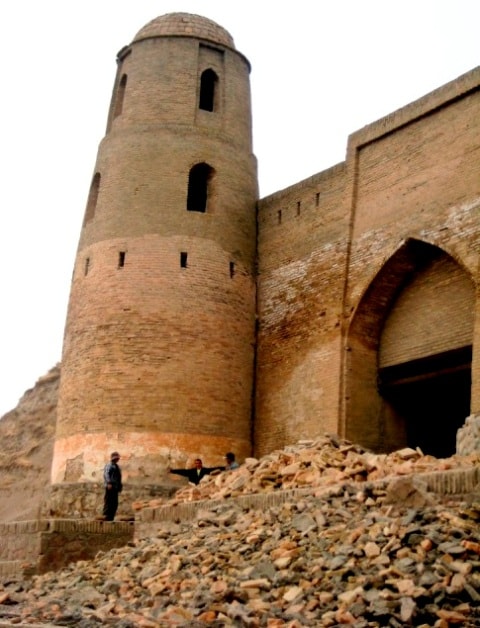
183,259
121,259
298,208
232,269
317,199
87,266
279,215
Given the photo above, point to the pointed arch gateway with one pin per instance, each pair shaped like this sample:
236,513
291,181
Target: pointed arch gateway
409,354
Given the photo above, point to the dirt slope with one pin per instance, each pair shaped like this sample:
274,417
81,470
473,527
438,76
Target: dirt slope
26,434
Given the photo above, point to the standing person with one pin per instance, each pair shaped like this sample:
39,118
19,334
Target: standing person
231,462
112,477
197,473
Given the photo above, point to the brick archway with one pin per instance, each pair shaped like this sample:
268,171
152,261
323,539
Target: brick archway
408,367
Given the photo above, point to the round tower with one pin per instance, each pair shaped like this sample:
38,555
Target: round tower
158,355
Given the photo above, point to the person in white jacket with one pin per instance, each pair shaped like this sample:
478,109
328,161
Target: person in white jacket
231,462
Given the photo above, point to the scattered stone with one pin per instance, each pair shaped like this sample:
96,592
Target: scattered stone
345,554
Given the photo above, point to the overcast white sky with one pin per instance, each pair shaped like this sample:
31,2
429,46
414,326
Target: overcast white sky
321,69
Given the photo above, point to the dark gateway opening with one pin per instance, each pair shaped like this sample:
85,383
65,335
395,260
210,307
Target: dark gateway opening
432,396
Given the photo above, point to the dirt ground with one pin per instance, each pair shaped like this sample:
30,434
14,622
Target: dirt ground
27,434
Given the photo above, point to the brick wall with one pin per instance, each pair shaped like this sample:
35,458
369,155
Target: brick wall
158,356
48,544
329,276
301,275
415,186
273,330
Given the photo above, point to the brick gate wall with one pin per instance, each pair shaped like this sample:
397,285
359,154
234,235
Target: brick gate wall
410,175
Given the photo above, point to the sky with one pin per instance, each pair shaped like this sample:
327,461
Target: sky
321,69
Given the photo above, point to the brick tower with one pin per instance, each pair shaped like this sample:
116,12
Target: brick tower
158,355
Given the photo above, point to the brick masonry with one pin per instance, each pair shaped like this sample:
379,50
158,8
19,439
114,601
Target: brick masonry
42,545
335,252
287,308
158,357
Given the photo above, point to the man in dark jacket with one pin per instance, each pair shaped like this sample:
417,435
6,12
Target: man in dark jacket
197,473
112,477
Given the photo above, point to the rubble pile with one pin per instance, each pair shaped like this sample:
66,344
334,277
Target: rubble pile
324,462
353,556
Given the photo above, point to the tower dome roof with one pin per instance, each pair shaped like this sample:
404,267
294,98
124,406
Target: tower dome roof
185,25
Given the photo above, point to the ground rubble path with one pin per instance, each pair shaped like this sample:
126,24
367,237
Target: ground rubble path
362,553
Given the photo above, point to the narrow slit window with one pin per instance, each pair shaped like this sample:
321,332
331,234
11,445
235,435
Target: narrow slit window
279,216
92,198
298,207
232,269
208,89
121,259
183,259
317,199
120,96
87,266
199,187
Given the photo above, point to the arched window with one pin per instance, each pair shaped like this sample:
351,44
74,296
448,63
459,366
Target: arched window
92,198
208,85
199,183
120,96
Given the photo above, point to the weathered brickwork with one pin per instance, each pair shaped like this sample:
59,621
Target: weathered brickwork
301,275
421,322
49,544
406,219
160,336
415,182
326,306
